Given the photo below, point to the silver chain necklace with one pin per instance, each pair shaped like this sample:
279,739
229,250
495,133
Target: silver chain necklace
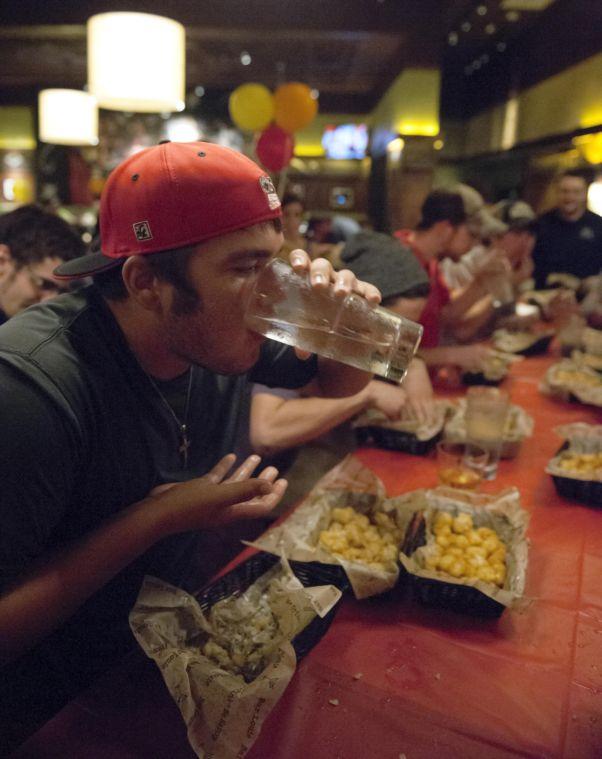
185,442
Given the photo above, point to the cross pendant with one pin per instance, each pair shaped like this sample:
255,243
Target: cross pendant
184,446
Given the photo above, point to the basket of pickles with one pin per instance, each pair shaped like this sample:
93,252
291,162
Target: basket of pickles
467,552
576,469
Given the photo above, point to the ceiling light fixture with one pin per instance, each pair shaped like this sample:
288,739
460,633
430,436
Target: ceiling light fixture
466,26
490,29
526,5
125,71
501,46
315,94
245,58
512,16
68,117
452,38
482,10
199,91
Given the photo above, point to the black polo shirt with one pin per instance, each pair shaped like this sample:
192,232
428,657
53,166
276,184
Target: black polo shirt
571,247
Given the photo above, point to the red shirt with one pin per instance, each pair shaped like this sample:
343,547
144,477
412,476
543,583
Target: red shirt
439,295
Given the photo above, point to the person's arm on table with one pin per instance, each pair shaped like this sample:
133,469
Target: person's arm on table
468,357
419,390
454,312
279,423
478,316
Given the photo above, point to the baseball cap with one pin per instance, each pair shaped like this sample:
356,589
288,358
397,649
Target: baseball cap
385,263
516,214
481,222
471,198
172,195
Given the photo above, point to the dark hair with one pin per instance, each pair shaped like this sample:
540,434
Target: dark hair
582,174
290,197
168,265
34,235
442,205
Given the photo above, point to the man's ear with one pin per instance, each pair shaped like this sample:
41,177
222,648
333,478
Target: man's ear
445,230
7,262
142,284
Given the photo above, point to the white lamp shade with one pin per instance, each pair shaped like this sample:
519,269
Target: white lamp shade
594,197
136,62
68,117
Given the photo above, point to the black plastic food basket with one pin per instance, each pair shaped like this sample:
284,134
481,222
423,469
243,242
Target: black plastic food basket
478,378
244,575
395,440
537,348
584,491
445,595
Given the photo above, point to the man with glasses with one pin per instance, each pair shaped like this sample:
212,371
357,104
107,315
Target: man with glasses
33,242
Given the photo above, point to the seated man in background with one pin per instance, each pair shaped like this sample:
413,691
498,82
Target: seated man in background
328,234
502,261
33,243
569,236
444,231
292,216
281,420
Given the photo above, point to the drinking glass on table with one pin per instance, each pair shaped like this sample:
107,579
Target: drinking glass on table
285,307
460,465
486,414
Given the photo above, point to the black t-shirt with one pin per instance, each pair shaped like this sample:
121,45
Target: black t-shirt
83,435
571,247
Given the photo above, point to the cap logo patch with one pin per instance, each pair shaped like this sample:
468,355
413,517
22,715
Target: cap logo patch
267,186
142,231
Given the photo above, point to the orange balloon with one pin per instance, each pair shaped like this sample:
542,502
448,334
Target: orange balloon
294,107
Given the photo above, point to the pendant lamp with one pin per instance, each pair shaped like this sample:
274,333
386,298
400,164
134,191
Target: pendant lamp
68,117
136,62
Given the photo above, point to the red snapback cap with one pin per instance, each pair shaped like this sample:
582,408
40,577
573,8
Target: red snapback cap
173,195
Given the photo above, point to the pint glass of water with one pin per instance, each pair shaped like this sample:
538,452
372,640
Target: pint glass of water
486,413
285,307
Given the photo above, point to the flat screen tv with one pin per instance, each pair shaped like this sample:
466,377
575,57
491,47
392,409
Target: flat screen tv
345,141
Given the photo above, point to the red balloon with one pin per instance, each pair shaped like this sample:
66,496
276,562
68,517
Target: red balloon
275,148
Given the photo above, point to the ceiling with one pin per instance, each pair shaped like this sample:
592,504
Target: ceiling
349,50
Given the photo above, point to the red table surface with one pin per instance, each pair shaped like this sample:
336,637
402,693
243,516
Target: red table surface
433,683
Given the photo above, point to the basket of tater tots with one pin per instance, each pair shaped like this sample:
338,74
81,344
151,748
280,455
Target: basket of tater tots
576,469
465,551
571,381
347,524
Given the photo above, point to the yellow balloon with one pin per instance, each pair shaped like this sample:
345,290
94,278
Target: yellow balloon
294,107
251,107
